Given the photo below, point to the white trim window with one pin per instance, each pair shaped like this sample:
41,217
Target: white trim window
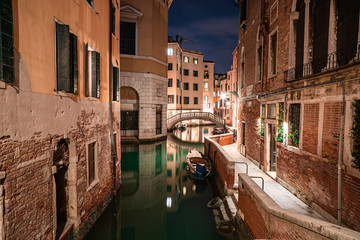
92,72
129,26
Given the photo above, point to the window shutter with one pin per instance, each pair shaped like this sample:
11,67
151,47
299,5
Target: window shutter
86,70
93,74
97,74
63,57
74,64
6,42
115,84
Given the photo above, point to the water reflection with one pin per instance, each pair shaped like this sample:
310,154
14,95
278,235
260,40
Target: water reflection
194,134
158,200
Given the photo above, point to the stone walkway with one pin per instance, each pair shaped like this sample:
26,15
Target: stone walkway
278,193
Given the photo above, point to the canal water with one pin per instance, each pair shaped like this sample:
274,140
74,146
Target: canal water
157,199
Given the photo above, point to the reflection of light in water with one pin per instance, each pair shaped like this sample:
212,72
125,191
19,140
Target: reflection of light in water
168,202
184,191
193,188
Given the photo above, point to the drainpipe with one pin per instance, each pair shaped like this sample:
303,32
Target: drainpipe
339,188
113,151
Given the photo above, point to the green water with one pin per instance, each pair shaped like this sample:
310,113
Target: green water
158,201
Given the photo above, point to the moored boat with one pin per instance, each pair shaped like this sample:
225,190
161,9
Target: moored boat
198,164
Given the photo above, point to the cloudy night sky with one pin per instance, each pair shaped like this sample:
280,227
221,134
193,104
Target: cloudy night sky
211,24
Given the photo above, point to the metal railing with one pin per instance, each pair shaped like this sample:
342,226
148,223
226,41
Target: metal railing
333,60
262,181
195,115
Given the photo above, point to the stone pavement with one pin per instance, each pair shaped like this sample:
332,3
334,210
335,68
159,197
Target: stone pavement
278,193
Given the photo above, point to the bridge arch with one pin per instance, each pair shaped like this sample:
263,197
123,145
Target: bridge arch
217,120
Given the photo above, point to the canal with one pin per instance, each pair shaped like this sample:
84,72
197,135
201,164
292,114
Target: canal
157,200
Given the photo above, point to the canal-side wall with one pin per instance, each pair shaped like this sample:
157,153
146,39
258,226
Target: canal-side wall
267,220
221,160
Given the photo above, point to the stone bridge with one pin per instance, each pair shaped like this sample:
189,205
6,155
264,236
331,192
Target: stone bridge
172,121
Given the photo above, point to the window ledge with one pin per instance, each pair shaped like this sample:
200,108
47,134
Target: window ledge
65,94
92,185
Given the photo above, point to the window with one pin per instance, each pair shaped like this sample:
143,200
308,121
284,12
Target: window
177,67
273,53
177,99
170,66
186,86
243,13
196,100
177,52
116,85
242,71
294,124
186,72
66,60
91,157
170,82
178,83
171,99
259,63
186,59
113,19
170,51
127,38
206,86
6,43
195,73
186,100
158,119
195,86
91,3
195,61
180,99
243,134
169,173
271,114
92,73
206,99
206,74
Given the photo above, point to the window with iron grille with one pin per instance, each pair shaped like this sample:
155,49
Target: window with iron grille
294,124
6,43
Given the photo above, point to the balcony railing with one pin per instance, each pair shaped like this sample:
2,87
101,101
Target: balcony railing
333,60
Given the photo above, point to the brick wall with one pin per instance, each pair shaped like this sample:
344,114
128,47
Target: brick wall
310,131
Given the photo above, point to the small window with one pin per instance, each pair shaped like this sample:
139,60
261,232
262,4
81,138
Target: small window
273,53
196,100
177,52
171,99
186,100
177,67
186,72
206,86
169,173
195,61
206,74
91,157
116,84
170,82
170,66
127,38
186,86
195,87
186,59
92,73
294,124
243,134
170,51
195,73
178,83
113,19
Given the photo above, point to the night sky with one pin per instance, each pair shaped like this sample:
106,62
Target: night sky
211,24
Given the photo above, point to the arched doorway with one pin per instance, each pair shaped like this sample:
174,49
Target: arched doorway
129,112
61,164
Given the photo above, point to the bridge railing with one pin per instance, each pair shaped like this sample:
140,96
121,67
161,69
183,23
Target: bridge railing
193,115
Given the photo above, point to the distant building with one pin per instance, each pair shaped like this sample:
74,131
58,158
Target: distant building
190,80
60,116
143,41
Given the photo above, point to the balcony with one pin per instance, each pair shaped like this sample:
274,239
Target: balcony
326,63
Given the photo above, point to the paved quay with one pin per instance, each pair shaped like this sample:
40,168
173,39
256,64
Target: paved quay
278,193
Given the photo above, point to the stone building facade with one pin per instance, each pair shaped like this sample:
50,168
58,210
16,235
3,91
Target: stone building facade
143,72
298,68
60,118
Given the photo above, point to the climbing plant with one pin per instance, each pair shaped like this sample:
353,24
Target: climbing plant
279,137
262,126
294,134
356,134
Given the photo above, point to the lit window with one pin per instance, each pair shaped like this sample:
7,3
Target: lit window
170,51
206,99
196,61
186,59
92,76
206,86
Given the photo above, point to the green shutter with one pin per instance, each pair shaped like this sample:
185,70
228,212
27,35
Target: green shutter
93,74
74,64
63,57
97,74
115,84
6,42
86,70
